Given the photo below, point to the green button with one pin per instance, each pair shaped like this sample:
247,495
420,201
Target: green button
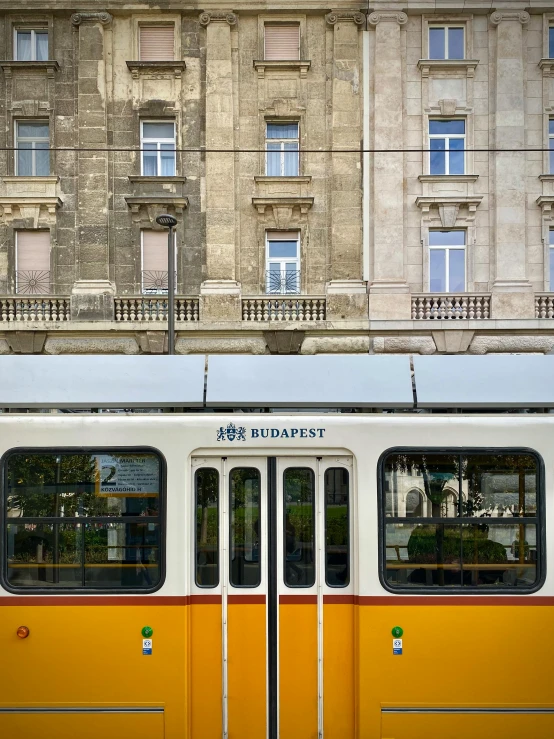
147,631
397,632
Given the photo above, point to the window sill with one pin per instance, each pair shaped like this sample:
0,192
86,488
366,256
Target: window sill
48,66
299,65
161,179
547,66
546,177
139,67
51,179
441,65
448,177
298,179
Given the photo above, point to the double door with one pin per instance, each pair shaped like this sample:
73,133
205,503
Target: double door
277,570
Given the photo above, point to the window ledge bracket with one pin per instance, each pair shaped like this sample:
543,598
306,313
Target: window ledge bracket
153,67
443,65
448,177
547,66
300,65
48,66
137,203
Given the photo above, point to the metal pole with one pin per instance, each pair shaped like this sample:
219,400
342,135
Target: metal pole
171,293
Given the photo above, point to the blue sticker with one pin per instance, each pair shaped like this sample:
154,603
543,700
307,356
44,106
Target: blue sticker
146,647
397,646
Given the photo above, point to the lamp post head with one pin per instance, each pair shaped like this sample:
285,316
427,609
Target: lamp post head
166,220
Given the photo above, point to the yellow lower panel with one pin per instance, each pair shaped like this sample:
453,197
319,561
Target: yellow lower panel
298,671
338,671
205,649
83,656
246,628
459,726
83,726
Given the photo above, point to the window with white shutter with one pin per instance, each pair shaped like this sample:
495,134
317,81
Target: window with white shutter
32,262
154,262
156,43
282,42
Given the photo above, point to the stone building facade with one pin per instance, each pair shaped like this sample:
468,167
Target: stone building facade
291,143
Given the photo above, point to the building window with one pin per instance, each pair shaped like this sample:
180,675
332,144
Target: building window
447,261
551,258
551,144
282,42
282,149
551,42
156,43
158,148
31,45
476,525
32,262
32,148
283,262
86,520
154,275
446,42
447,144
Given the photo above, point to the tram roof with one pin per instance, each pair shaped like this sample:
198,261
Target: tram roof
272,381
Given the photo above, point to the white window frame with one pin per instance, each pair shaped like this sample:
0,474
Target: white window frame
282,143
447,138
154,290
283,261
446,26
33,149
33,32
158,142
447,250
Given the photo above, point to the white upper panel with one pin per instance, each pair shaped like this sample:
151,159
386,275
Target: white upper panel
101,381
309,381
501,381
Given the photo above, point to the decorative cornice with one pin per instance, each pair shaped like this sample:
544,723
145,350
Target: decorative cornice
387,17
509,15
103,17
206,18
353,16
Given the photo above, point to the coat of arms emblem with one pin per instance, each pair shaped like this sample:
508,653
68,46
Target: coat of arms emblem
231,433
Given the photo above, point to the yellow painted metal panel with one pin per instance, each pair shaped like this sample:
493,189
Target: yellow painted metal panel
460,726
247,671
338,671
83,726
91,655
486,656
206,664
298,671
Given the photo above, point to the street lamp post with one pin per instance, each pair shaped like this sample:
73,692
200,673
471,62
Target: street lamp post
170,222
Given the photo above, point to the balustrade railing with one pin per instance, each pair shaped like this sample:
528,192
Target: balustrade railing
544,305
451,307
17,308
154,308
295,308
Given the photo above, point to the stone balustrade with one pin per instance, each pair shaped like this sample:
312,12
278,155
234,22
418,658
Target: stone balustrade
154,308
34,308
451,307
294,308
544,305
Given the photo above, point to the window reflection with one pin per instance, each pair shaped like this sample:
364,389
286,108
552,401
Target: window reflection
245,569
337,559
298,490
207,527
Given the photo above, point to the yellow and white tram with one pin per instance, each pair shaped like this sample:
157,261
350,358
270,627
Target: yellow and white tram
294,574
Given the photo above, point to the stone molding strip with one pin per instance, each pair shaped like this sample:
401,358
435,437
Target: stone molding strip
352,16
206,18
387,17
102,17
506,15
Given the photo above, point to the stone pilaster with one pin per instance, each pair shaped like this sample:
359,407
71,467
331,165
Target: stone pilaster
389,290
220,166
346,189
92,167
512,291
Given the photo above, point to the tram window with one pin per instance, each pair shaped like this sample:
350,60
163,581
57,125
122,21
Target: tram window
337,544
299,525
492,538
83,520
207,527
245,566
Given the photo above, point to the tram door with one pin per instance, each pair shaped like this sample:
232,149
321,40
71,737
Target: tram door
286,659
